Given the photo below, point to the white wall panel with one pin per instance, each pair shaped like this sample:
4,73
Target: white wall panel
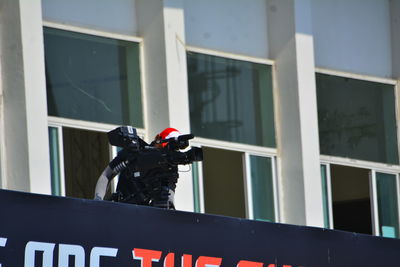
25,141
395,19
353,35
292,49
236,26
117,16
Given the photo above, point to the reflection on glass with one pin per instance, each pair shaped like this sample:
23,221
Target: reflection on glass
54,162
231,100
92,78
325,195
357,119
387,204
262,188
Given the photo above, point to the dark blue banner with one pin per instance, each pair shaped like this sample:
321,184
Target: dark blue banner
37,230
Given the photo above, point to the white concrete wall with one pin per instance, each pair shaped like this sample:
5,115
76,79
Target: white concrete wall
167,103
291,45
117,16
151,29
236,26
24,136
353,36
395,26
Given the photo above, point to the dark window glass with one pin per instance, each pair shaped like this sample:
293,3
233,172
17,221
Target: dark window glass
92,78
231,100
86,153
357,119
224,192
351,199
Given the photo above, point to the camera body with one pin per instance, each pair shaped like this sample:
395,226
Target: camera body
147,156
151,171
124,137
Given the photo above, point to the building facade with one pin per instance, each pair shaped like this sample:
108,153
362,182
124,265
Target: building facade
294,102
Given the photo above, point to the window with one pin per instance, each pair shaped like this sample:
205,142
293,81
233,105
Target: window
77,159
93,85
92,78
231,100
361,200
357,119
359,147
232,116
237,184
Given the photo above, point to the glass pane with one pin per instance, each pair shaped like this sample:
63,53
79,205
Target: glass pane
262,188
387,204
357,119
196,190
231,100
325,196
92,78
54,162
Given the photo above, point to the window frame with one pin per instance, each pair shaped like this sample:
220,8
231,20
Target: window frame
60,122
228,55
245,149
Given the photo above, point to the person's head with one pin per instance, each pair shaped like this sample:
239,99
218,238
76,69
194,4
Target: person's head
165,134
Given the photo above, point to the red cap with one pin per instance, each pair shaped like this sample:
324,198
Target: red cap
169,133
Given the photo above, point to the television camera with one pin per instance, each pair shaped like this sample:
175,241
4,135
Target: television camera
152,168
149,156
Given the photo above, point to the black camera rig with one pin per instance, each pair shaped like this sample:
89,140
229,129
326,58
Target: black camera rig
151,168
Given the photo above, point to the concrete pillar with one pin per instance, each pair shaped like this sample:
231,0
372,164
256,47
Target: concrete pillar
161,25
291,46
24,135
395,26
